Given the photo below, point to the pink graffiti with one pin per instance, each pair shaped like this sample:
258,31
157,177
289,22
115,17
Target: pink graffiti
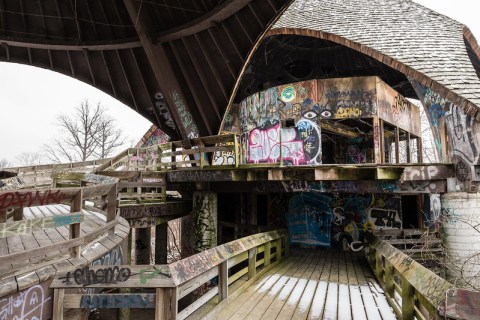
264,146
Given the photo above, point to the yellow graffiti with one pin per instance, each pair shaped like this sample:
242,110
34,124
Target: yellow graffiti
348,112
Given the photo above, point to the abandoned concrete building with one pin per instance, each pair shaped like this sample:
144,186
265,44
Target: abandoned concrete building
283,176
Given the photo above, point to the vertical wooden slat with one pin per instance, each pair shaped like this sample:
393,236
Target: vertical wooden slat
166,304
267,253
408,300
76,206
378,266
279,249
397,145
160,304
419,150
382,140
287,246
236,150
377,140
112,208
18,214
58,304
408,148
223,281
389,280
252,259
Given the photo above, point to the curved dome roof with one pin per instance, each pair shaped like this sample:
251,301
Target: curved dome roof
424,45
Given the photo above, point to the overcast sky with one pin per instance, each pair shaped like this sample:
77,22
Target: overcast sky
31,98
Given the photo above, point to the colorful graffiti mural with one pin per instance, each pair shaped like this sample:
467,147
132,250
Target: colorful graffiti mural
462,131
316,219
284,123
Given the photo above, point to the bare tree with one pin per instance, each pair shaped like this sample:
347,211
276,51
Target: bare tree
108,137
25,159
87,133
4,163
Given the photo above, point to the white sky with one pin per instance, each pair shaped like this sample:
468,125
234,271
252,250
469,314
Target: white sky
31,98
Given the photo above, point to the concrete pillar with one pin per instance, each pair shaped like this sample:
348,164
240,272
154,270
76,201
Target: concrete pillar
204,220
142,245
460,220
161,240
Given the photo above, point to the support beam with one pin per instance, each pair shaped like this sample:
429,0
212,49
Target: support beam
165,76
220,13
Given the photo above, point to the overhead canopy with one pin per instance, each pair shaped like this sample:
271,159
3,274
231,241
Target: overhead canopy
146,53
179,63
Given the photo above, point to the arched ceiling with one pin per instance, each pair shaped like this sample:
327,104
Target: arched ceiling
175,62
179,62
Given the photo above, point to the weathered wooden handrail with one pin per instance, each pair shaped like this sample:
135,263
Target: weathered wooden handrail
174,156
413,290
106,188
41,175
174,281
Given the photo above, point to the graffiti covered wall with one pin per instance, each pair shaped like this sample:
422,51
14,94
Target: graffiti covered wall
462,131
204,220
284,123
395,109
322,219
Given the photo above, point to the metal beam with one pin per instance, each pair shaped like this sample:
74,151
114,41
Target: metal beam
222,12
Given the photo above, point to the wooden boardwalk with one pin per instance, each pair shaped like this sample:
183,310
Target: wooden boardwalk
312,284
32,270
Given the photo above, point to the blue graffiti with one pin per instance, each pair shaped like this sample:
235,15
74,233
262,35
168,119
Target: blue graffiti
436,112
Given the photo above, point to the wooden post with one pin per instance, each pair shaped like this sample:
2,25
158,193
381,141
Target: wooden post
389,280
267,253
58,296
18,214
76,206
408,300
397,145
112,208
408,148
236,150
379,266
280,144
3,215
223,281
202,154
279,249
286,245
173,166
166,304
377,141
419,149
382,140
252,261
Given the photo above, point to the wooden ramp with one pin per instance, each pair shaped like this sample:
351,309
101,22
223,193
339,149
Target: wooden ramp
311,284
31,270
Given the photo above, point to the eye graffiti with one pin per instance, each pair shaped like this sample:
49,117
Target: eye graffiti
310,115
326,114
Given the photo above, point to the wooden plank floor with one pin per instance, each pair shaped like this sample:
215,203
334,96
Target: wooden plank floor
313,284
37,269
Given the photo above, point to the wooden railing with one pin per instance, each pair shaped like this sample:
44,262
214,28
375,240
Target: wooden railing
204,152
200,277
105,189
43,175
414,291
